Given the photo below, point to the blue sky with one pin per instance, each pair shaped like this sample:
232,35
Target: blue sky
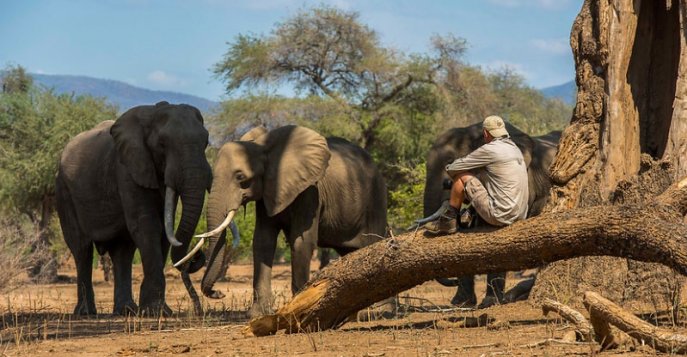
172,44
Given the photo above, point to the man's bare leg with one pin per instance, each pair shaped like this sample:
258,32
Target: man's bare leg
447,223
457,195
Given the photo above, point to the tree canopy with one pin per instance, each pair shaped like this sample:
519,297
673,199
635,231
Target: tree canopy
35,125
347,84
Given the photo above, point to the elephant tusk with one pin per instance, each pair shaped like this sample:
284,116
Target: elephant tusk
433,217
170,203
191,253
221,227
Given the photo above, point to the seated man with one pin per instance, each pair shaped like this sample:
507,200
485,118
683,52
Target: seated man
499,195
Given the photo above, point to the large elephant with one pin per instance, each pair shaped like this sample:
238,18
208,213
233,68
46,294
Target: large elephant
319,192
538,153
117,188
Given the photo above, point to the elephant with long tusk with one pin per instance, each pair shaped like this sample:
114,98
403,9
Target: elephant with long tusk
117,189
319,192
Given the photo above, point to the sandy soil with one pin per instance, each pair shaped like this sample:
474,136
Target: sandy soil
37,321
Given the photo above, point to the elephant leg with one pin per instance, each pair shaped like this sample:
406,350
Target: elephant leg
81,248
465,294
496,282
302,234
302,248
264,246
122,254
83,257
152,293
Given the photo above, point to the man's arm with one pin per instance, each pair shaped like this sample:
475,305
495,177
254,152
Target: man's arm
481,157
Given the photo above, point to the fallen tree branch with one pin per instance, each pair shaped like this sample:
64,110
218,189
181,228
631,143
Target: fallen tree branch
553,341
604,313
583,328
389,267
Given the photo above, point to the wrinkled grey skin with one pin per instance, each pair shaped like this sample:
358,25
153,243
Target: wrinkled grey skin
538,152
319,192
110,194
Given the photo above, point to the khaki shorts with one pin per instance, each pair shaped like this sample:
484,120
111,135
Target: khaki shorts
479,198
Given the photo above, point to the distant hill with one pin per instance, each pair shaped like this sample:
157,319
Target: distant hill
566,92
123,95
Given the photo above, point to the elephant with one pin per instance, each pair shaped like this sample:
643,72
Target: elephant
538,153
117,188
319,192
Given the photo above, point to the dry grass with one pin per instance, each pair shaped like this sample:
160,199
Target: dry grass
37,321
13,264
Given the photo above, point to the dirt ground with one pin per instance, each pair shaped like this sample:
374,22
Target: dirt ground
37,321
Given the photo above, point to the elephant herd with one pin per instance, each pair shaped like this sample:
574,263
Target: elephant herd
118,185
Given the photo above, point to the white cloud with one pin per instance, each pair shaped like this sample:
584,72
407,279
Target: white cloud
559,46
163,79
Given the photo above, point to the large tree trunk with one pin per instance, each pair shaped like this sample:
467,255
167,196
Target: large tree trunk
631,65
399,263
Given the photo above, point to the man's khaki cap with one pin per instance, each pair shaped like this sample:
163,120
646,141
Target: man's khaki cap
495,126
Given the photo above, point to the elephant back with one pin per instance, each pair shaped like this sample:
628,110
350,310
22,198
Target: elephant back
94,144
352,191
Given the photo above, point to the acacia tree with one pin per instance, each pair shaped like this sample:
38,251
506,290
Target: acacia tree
35,125
327,51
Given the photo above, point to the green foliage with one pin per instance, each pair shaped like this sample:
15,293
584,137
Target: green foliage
16,80
404,207
391,103
35,125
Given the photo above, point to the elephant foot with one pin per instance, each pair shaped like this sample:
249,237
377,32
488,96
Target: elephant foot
125,309
156,309
258,310
83,309
489,301
465,302
214,294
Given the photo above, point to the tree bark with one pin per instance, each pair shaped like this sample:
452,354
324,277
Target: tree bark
603,313
584,329
631,74
400,263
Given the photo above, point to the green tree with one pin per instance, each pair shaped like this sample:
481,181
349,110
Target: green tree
15,79
34,126
327,51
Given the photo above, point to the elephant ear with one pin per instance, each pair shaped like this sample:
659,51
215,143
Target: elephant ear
254,133
129,137
523,141
297,158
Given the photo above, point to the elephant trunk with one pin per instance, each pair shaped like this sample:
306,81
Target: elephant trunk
434,191
192,197
217,251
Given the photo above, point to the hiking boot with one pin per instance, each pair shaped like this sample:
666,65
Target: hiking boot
442,226
445,224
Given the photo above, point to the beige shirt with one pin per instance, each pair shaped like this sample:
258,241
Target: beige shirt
504,176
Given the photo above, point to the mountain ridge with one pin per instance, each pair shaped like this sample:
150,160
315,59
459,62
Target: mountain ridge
116,92
125,95
567,92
